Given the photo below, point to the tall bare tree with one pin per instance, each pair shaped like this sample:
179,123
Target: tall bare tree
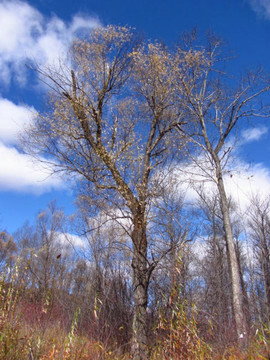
216,106
109,125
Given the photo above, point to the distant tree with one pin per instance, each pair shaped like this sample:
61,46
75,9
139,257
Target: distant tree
171,225
214,266
104,276
259,223
44,252
8,250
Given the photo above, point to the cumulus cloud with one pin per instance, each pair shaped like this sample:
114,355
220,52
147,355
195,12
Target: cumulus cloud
246,181
253,134
27,35
13,118
66,240
18,173
261,7
242,181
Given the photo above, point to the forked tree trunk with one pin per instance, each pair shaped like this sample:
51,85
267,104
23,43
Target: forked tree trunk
237,294
139,348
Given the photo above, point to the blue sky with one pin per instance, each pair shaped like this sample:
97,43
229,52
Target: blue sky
43,29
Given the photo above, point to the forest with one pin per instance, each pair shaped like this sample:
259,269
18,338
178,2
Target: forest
159,261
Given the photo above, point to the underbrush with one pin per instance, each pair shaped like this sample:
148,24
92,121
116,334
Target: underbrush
32,330
45,338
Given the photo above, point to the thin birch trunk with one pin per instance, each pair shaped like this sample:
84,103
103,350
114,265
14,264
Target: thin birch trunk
237,294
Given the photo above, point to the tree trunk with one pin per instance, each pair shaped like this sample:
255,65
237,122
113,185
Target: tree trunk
139,348
266,272
237,294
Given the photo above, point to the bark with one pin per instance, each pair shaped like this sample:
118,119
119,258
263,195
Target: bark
220,283
237,294
266,271
244,292
141,276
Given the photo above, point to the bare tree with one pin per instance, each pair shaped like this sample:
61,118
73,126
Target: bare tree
259,222
8,250
109,124
107,257
44,253
214,265
171,225
216,106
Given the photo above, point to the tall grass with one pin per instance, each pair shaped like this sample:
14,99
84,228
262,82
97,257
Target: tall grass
43,338
177,336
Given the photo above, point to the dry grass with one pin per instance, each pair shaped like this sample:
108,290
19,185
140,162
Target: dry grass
45,339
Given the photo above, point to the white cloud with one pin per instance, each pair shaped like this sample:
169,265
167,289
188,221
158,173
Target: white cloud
253,134
247,181
261,7
26,34
242,181
67,240
18,173
17,170
199,248
112,219
13,118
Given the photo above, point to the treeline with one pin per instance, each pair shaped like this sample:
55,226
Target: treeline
56,273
